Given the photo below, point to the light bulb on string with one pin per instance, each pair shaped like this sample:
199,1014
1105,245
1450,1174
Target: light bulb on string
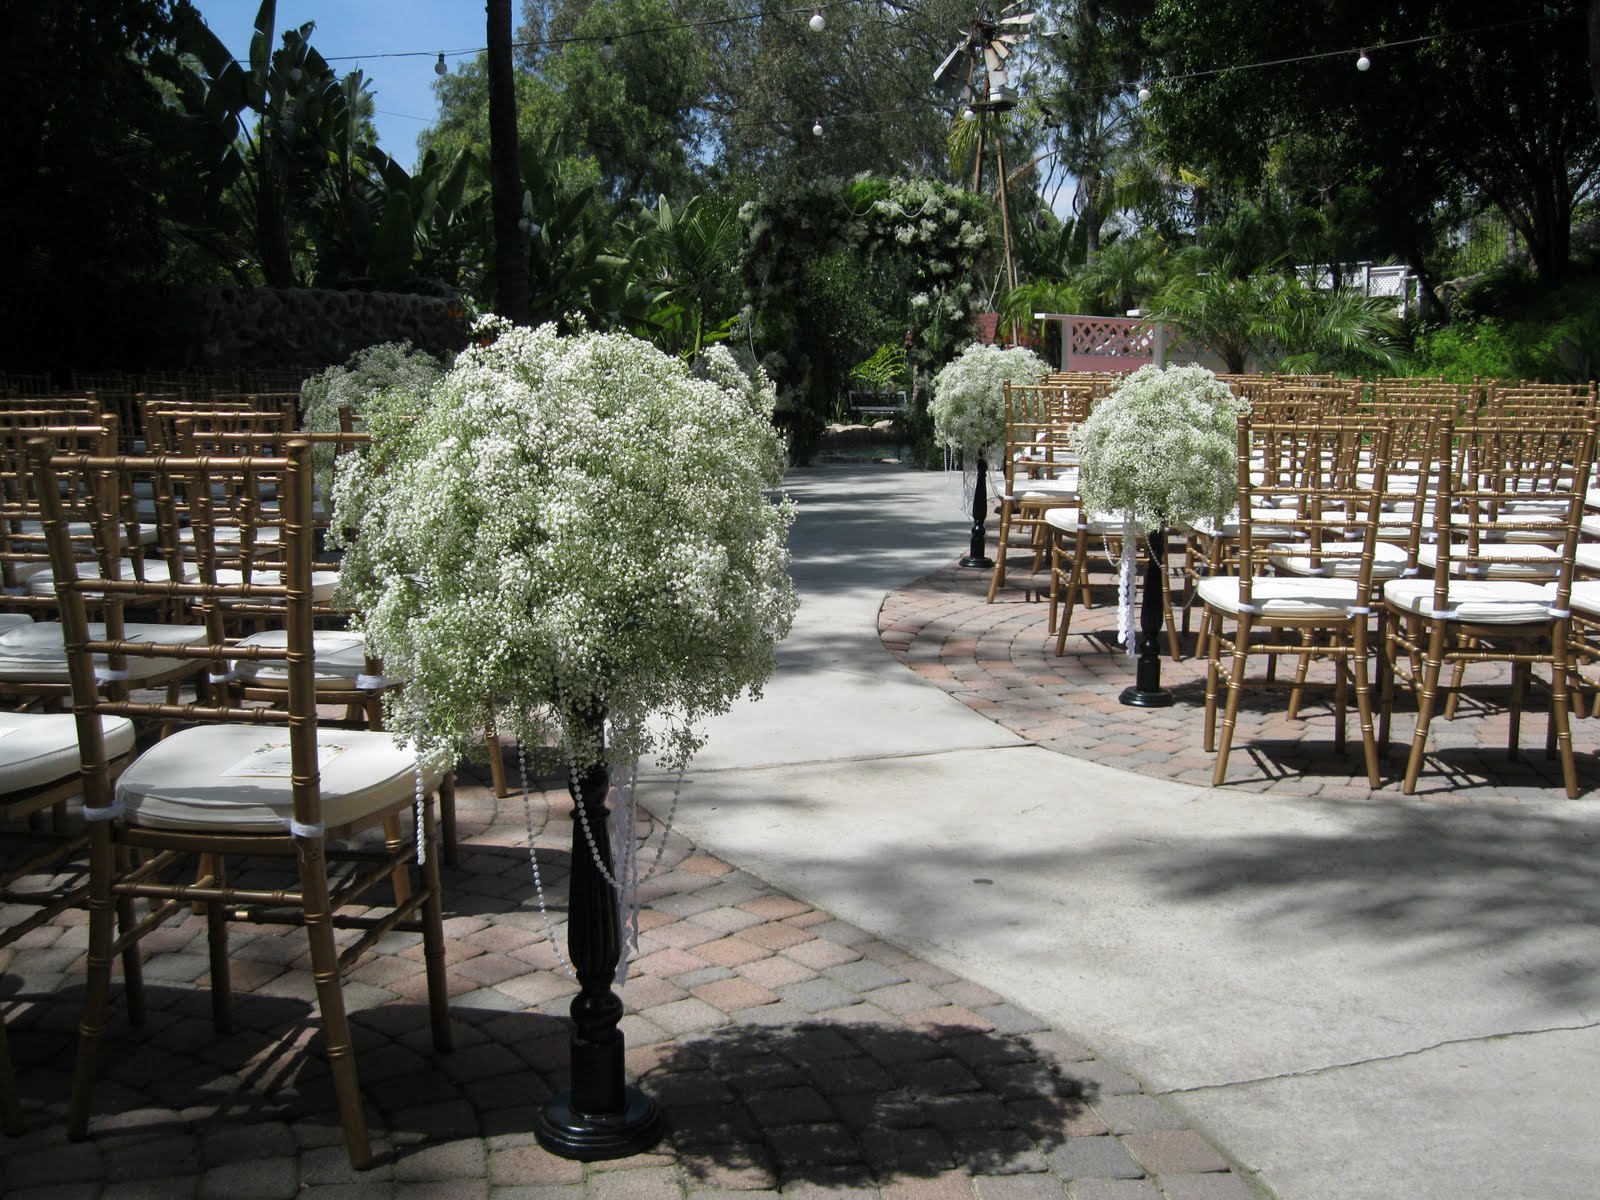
817,128
295,74
1144,93
439,68
818,22
967,114
1363,63
607,50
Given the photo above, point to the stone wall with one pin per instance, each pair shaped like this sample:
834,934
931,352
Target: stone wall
224,328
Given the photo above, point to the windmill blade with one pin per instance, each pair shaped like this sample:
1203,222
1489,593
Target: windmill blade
944,67
1020,19
1010,39
1000,48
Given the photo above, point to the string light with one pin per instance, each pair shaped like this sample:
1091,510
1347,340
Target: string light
1363,63
968,115
1144,92
295,74
607,50
439,68
818,22
817,128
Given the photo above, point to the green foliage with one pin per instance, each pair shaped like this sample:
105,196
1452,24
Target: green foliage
1506,326
686,257
885,371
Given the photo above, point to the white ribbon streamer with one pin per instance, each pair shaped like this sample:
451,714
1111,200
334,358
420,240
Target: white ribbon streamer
107,675
1127,586
109,813
314,830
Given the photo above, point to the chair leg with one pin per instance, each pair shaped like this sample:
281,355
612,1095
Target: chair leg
1520,673
330,1002
221,973
1230,715
497,766
1080,571
1297,689
1341,695
447,819
1210,637
1426,693
97,982
1166,611
132,963
998,577
1560,717
394,838
1055,581
433,954
1369,743
1457,677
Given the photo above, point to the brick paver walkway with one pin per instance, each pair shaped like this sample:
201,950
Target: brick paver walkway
792,1054
998,660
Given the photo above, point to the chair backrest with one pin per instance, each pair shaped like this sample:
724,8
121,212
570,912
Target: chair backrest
291,476
1511,483
22,541
1324,496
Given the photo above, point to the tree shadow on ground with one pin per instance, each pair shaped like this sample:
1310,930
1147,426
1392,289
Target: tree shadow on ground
853,1104
835,1104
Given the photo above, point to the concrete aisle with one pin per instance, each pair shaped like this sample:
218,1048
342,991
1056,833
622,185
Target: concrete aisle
1355,1000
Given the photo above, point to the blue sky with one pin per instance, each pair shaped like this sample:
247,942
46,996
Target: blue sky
368,28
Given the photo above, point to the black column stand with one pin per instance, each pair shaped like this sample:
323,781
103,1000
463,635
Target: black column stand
600,1116
980,504
1147,691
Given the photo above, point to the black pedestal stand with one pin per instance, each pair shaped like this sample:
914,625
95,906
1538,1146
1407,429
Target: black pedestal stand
980,504
600,1117
1147,691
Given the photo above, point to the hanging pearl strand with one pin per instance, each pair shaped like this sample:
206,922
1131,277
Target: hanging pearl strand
533,860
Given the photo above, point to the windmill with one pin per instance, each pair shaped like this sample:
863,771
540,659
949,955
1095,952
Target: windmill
976,70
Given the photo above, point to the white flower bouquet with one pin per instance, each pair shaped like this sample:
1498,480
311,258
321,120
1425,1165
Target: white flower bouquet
570,528
1162,449
364,381
968,405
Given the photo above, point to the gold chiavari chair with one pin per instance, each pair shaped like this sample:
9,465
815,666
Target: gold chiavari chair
1040,468
1322,542
1494,599
249,784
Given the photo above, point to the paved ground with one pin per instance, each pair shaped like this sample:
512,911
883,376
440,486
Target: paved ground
998,660
793,1053
1358,996
898,949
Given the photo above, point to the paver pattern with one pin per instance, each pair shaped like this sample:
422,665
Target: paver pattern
793,1054
999,660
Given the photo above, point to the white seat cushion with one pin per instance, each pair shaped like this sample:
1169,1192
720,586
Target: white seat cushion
1278,597
1475,601
1509,560
41,748
155,571
82,529
323,583
1070,520
228,535
1587,557
35,652
339,658
1387,563
179,783
1264,522
12,620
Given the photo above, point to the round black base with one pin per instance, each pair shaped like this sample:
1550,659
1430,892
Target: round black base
976,560
589,1138
1134,698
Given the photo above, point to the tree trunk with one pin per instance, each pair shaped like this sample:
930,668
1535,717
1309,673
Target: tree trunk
510,260
1594,52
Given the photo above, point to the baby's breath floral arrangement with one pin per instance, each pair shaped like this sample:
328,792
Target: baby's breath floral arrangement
968,408
570,527
390,368
1162,449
